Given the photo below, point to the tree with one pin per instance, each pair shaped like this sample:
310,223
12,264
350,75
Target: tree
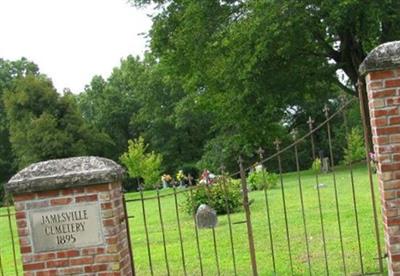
9,71
109,104
141,164
43,125
355,150
266,63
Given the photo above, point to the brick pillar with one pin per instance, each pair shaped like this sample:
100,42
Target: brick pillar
381,69
70,218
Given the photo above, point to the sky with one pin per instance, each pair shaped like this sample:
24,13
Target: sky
72,40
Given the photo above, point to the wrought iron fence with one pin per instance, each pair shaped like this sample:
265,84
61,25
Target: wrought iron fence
10,259
313,223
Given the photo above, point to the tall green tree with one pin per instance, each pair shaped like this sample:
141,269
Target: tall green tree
44,125
9,71
266,65
109,104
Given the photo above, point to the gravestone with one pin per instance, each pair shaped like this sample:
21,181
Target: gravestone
70,218
206,217
325,165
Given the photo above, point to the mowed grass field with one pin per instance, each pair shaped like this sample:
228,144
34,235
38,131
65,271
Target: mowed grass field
260,229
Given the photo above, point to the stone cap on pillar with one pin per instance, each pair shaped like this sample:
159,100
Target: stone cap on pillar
384,57
65,173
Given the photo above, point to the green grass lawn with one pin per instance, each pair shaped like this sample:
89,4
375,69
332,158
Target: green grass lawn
261,234
260,228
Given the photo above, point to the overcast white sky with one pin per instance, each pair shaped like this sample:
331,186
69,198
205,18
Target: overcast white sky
72,40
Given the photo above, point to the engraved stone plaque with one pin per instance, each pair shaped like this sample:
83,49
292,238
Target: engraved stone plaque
65,227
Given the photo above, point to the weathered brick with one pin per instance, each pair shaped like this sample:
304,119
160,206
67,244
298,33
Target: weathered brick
106,205
68,254
96,268
392,83
109,222
378,122
23,232
378,75
44,256
89,251
106,258
110,273
86,198
20,215
389,167
21,223
388,130
24,241
97,188
47,273
61,201
82,261
384,112
392,185
58,263
33,266
375,85
71,271
392,101
112,240
394,120
67,192
23,197
48,194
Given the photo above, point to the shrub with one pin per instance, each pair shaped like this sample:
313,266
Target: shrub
355,150
256,180
141,164
316,165
214,196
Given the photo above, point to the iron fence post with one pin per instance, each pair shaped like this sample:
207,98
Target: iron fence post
248,218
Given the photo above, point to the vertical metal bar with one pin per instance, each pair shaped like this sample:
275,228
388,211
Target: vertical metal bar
296,155
128,234
328,125
277,143
310,123
363,102
179,230
207,189
271,242
248,218
1,265
146,231
354,198
228,213
162,231
196,231
12,236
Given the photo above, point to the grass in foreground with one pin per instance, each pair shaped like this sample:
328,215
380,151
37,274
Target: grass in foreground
261,234
260,229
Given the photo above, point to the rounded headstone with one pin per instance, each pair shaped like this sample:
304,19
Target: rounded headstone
206,217
64,173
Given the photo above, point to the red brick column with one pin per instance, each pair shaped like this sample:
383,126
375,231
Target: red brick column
109,254
382,74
